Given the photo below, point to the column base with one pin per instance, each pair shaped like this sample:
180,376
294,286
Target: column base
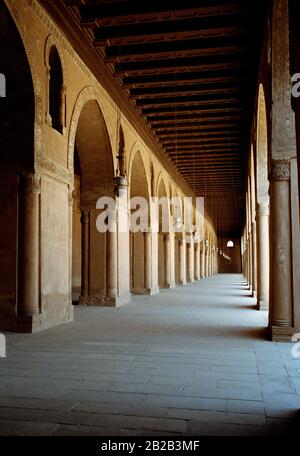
117,301
262,305
29,325
181,283
25,324
169,286
84,300
282,333
145,291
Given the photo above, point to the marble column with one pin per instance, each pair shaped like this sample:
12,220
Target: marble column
85,256
250,260
211,261
263,254
28,303
111,265
167,260
147,258
281,247
207,260
182,261
202,261
197,261
254,260
190,261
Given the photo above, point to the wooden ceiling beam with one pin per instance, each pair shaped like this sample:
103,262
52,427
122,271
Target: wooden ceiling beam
185,64
114,13
199,141
180,49
165,90
202,77
166,30
203,116
199,109
194,131
210,125
189,91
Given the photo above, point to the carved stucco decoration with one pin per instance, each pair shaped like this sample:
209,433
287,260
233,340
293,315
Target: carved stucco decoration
280,170
283,118
56,171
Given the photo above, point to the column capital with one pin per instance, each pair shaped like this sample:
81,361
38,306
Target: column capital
262,208
280,170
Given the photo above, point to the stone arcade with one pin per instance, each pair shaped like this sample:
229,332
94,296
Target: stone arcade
129,100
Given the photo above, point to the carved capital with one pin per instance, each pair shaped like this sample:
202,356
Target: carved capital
262,208
31,183
280,170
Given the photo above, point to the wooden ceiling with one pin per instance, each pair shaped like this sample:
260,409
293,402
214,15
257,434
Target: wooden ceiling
189,67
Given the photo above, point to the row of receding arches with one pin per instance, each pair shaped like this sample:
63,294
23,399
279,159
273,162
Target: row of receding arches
256,235
34,256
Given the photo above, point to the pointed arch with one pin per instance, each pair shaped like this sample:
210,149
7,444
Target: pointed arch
261,168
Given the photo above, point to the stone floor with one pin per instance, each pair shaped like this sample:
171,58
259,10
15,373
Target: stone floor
191,361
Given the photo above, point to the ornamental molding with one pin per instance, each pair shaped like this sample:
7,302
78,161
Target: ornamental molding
56,171
280,170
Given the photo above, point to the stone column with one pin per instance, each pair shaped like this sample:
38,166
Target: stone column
207,260
147,258
281,247
182,261
202,261
111,265
28,303
190,261
214,262
211,261
197,261
85,256
167,260
247,262
254,260
250,261
263,254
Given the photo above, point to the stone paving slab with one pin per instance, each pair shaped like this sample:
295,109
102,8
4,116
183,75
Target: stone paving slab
190,361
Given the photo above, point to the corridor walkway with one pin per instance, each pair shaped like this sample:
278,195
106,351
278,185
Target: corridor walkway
193,360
